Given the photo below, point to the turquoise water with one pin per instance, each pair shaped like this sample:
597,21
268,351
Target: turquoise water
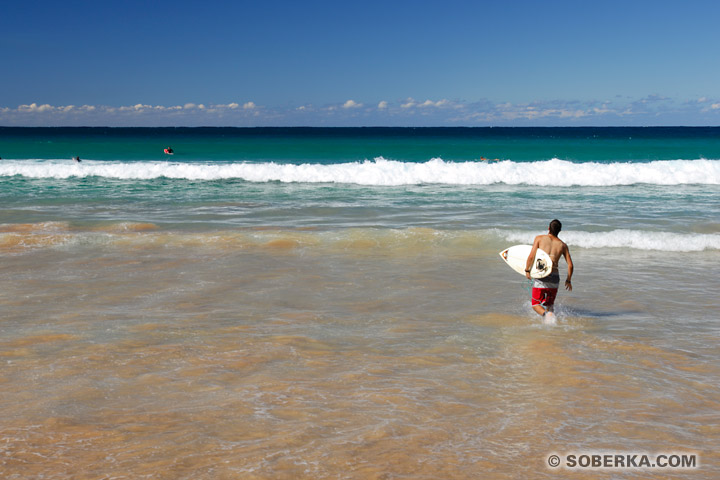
663,179
333,145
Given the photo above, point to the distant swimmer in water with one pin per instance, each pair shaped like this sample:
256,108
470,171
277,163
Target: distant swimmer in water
169,151
483,159
77,159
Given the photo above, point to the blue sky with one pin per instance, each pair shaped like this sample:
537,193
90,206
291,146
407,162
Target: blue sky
339,63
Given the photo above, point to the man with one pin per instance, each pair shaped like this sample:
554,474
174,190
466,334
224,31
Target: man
545,289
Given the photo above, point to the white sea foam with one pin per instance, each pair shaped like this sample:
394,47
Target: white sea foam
634,239
382,172
386,240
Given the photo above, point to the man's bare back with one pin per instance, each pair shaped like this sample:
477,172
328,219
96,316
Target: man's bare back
551,245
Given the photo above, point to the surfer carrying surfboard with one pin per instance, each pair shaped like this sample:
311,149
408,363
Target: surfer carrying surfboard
545,289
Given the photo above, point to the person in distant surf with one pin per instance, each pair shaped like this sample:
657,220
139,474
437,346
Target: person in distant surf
77,159
545,289
169,150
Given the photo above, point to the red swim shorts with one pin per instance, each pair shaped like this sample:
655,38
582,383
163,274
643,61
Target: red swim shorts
544,296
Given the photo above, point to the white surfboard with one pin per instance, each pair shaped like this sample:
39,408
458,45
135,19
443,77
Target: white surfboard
516,257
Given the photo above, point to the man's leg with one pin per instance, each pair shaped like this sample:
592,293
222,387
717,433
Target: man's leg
543,300
538,299
539,309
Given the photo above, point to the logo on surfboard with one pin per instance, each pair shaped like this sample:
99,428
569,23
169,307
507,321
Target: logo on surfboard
516,258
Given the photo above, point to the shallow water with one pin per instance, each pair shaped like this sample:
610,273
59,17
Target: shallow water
363,354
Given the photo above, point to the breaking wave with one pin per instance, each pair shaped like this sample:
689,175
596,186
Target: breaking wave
632,239
383,172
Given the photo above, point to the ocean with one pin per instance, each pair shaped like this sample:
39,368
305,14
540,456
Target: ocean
272,303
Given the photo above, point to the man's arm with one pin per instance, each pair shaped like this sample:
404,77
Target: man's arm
531,257
568,259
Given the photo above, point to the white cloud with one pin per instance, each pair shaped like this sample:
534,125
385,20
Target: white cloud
651,110
602,110
411,103
34,107
430,103
138,108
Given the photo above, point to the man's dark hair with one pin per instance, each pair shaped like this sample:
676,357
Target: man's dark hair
555,227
